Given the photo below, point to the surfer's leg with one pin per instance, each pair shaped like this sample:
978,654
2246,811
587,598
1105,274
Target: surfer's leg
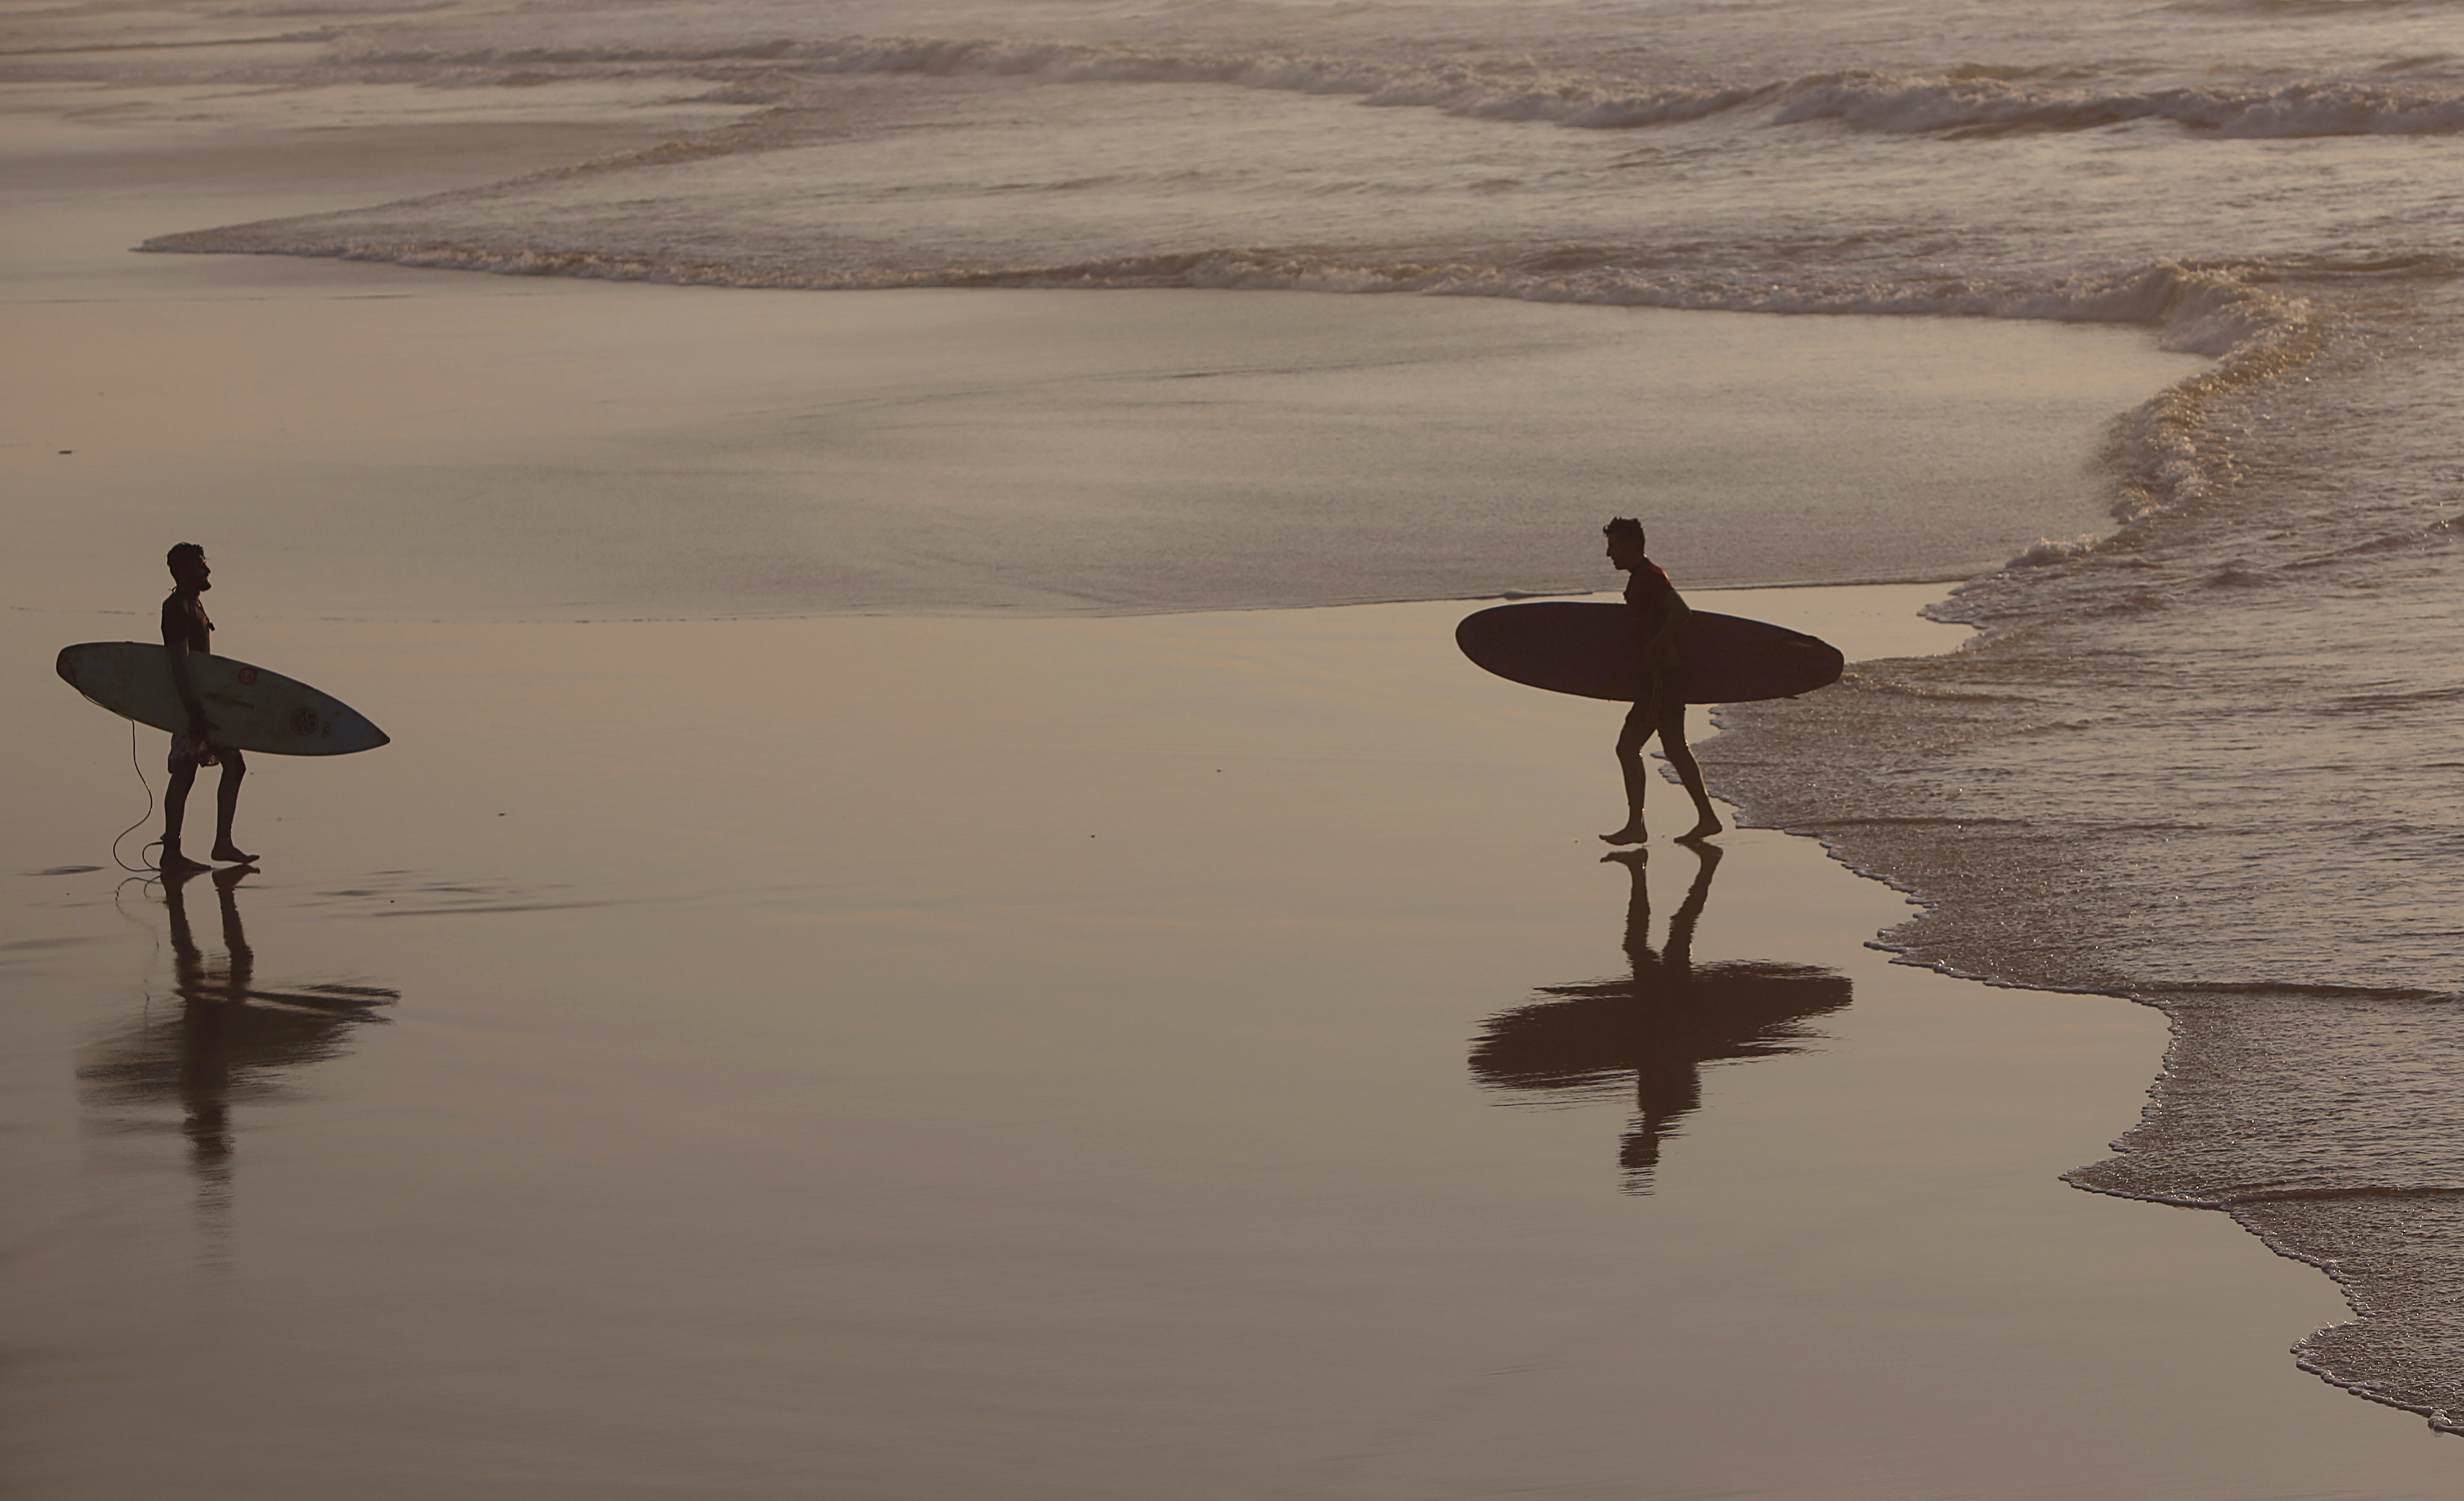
1637,777
1681,755
226,804
175,804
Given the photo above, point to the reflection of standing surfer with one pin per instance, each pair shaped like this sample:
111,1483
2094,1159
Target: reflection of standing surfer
186,628
228,1042
1658,614
1660,1026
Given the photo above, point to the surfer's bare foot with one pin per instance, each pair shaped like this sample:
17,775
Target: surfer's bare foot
175,864
233,854
1631,834
1708,827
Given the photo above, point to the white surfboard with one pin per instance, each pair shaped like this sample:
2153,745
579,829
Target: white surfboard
252,709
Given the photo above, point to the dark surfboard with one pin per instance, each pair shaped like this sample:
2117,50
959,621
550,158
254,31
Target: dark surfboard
1575,646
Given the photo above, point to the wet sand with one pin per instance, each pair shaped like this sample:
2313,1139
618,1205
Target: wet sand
1021,1058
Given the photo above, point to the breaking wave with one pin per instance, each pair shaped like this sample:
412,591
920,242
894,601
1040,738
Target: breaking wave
1967,103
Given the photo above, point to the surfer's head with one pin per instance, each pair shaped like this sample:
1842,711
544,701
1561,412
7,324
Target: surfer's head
187,561
1625,542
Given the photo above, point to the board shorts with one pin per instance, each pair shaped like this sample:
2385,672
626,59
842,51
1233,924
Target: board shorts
1665,717
187,755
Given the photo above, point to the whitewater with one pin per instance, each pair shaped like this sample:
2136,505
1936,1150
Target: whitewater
2205,757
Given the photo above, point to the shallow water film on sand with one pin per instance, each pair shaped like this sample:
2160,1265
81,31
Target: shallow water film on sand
2203,753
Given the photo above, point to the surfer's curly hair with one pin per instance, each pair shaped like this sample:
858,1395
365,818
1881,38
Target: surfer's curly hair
1625,526
181,549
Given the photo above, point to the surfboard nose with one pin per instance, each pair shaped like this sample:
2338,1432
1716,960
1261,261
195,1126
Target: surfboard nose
351,731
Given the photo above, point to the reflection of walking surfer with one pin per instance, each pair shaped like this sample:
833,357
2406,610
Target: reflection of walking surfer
1659,1028
1660,614
186,628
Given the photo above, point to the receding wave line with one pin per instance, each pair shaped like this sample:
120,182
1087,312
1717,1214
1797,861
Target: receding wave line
2330,1195
2157,991
2382,703
1967,103
1981,107
2209,309
168,46
2300,7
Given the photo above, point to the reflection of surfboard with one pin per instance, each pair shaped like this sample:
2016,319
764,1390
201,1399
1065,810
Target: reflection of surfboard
1575,646
253,709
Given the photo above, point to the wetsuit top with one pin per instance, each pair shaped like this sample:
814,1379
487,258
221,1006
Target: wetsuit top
1647,593
184,621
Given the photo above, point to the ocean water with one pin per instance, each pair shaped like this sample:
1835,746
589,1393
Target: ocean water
2205,754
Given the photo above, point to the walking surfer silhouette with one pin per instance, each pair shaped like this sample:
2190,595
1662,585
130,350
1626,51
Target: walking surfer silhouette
1658,614
186,628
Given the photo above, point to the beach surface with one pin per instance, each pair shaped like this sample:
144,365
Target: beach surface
961,1057
1003,1045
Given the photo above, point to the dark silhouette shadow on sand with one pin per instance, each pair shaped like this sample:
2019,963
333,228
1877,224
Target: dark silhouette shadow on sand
222,1042
1652,1033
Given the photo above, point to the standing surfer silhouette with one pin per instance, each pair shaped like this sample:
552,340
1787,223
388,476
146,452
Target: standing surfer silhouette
186,628
1658,614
